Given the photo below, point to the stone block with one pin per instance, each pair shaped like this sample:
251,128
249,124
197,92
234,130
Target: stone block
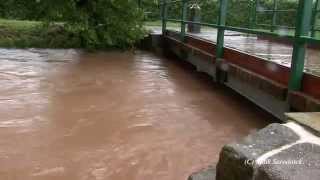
300,162
233,163
205,174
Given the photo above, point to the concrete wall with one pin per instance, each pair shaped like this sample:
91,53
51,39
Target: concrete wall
247,75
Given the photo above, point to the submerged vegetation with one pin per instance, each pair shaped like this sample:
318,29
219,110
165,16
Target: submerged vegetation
70,23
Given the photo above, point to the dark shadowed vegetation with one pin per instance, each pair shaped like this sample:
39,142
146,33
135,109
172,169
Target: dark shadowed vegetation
70,23
116,23
239,11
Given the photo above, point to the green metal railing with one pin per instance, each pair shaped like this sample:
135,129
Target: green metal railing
315,13
304,31
273,26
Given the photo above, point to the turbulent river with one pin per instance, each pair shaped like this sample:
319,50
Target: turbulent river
75,115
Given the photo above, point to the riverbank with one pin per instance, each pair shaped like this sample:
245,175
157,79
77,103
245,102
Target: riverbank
35,34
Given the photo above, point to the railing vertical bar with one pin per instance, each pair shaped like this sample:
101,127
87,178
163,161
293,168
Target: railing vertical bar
164,10
183,19
250,16
274,15
314,19
254,18
223,6
221,22
256,12
303,22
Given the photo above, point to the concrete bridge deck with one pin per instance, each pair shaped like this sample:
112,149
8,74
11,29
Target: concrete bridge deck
278,52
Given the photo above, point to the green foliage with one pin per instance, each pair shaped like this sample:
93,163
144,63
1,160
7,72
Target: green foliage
97,23
151,9
239,12
20,9
26,34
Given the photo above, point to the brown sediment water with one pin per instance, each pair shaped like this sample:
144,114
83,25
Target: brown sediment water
73,115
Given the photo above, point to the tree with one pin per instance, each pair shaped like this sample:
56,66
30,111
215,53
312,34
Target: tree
99,23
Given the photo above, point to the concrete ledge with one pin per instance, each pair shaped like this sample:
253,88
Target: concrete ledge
264,100
203,61
309,120
273,88
302,102
152,42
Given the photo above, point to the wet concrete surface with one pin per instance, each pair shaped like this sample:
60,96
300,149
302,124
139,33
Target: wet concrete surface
73,115
269,50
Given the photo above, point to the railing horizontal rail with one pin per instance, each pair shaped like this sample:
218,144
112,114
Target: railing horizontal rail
257,32
310,40
250,31
203,24
278,26
277,10
170,2
238,29
174,20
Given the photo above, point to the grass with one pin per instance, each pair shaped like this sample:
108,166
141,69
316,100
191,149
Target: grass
19,25
34,34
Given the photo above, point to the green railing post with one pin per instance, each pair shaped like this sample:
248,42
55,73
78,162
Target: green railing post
164,10
250,16
253,14
221,23
223,6
274,15
314,18
183,19
299,46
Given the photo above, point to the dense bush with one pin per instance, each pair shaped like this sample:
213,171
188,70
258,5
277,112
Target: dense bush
118,23
20,9
97,23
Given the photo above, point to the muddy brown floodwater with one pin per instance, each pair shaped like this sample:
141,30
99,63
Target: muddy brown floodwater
72,115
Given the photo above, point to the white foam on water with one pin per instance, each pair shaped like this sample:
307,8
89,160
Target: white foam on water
56,170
